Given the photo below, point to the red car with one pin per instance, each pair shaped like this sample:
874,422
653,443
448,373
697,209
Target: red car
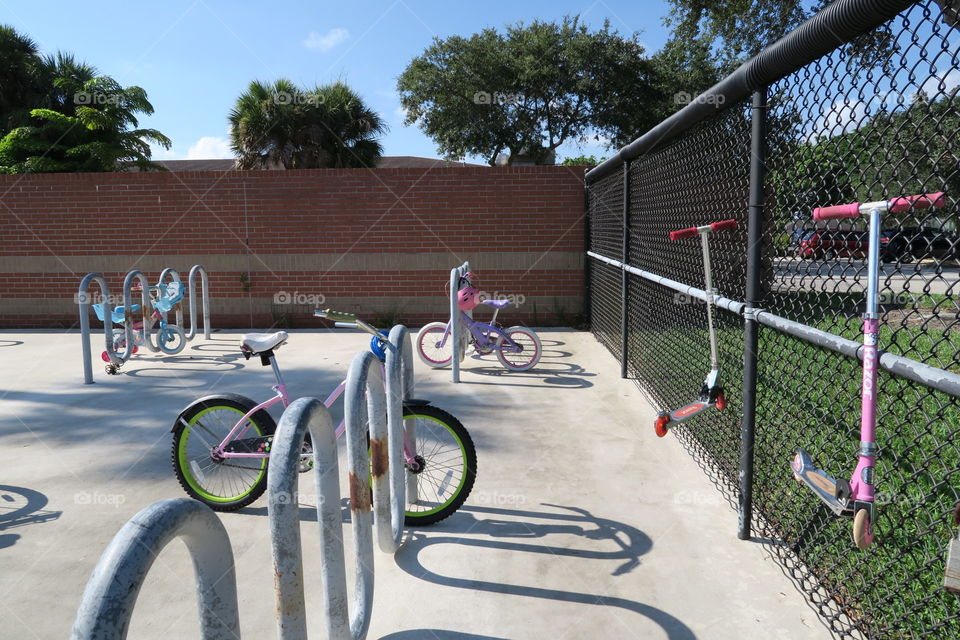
822,244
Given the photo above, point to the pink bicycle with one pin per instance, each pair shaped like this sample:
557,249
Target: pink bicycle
855,497
221,443
517,348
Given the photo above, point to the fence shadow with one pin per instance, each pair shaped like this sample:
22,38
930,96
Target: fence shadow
494,532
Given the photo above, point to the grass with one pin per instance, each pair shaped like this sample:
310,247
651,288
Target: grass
810,397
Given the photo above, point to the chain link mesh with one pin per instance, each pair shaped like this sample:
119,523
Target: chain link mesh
875,119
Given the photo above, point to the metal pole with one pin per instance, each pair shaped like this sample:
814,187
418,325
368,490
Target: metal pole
192,292
83,301
456,328
754,231
624,277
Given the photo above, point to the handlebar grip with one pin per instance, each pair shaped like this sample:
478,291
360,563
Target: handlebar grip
851,210
723,225
336,316
683,233
922,201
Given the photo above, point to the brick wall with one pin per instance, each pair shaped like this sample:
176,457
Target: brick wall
276,244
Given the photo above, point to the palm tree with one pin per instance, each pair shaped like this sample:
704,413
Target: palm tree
84,122
21,77
281,125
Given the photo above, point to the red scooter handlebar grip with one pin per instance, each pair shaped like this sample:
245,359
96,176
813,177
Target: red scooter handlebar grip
851,210
723,225
683,233
922,201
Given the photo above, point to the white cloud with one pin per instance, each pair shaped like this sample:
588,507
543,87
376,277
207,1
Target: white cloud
950,80
210,148
328,40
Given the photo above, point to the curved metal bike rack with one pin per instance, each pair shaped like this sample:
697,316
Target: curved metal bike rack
191,291
145,308
83,300
174,276
111,593
459,347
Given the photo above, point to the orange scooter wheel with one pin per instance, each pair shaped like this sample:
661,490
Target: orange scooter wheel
661,425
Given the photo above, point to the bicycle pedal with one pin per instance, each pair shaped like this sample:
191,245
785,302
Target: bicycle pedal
823,485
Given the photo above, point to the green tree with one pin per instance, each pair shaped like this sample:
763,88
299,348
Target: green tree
581,161
530,89
85,122
282,125
21,78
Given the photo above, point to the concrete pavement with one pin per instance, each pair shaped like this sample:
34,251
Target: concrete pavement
582,523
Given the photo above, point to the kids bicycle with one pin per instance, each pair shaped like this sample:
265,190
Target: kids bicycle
170,337
517,348
855,497
711,393
221,443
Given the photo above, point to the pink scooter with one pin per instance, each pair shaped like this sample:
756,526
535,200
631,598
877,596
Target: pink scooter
711,393
856,496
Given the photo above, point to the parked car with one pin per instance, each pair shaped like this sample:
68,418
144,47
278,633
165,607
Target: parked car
829,244
917,243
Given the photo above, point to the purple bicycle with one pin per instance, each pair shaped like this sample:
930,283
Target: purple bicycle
517,348
856,497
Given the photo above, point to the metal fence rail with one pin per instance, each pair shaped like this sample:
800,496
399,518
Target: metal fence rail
860,103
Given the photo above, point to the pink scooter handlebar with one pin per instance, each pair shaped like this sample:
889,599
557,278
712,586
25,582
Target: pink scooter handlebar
852,210
692,231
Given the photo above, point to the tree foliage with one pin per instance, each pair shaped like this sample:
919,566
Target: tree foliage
283,125
61,116
529,89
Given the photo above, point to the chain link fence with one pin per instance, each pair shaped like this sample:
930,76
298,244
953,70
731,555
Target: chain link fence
874,118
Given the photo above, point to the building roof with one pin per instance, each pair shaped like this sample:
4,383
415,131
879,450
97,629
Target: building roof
386,162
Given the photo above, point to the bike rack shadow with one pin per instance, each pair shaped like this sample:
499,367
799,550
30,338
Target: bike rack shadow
19,507
507,534
437,634
10,343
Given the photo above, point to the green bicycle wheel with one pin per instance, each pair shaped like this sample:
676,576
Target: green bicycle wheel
224,484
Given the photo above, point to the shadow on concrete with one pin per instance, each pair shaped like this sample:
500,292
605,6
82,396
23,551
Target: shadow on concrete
505,535
436,634
10,343
550,370
19,507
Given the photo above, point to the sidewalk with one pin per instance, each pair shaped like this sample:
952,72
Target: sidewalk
582,523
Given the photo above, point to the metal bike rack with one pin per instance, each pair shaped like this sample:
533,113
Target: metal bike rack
459,347
145,308
174,276
191,291
111,593
83,300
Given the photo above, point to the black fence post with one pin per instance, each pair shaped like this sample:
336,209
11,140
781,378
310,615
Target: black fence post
754,233
624,278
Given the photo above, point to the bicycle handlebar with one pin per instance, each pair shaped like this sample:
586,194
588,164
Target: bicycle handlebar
335,316
853,210
709,228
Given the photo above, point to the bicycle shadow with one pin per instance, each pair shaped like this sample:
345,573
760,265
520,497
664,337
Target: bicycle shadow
503,535
19,507
437,634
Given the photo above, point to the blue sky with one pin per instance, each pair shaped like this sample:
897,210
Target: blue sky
194,57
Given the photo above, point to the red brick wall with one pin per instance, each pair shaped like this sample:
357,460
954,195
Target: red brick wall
389,235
